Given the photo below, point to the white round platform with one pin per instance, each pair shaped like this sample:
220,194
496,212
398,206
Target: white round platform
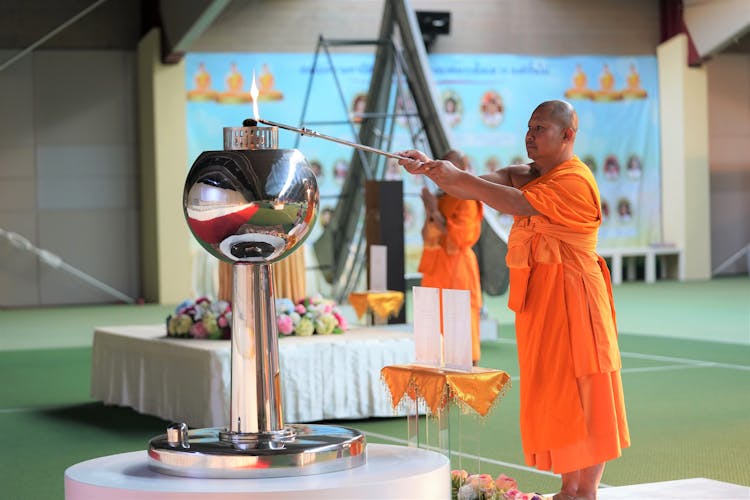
393,472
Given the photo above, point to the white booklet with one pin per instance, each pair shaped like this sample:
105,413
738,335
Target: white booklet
427,338
457,329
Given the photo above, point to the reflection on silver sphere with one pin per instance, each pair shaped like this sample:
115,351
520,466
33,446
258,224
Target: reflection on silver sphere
254,206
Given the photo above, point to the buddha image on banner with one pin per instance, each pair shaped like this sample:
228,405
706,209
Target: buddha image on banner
485,101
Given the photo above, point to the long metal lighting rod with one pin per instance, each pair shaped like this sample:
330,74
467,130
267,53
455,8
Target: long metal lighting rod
313,133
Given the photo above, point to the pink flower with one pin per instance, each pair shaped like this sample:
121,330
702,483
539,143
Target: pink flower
458,478
300,309
327,308
342,323
198,330
285,324
505,483
482,483
222,321
513,494
459,474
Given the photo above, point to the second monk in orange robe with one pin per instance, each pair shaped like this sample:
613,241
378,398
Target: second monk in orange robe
572,407
452,227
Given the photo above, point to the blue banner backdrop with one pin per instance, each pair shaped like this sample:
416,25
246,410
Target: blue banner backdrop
486,101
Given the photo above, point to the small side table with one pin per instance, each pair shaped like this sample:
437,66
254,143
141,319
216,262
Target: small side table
382,303
477,389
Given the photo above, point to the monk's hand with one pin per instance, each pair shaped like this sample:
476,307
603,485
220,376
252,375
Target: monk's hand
437,218
413,161
429,200
442,172
431,234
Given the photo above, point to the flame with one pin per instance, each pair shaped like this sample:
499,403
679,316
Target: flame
254,94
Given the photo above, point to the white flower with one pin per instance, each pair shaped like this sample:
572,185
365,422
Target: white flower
467,492
295,318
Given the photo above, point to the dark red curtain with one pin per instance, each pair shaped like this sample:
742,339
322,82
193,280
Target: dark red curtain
673,23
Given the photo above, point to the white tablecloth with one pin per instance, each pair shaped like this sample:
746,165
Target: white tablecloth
188,380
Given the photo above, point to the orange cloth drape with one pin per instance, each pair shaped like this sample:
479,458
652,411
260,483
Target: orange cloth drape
226,278
384,304
565,323
453,264
288,278
477,389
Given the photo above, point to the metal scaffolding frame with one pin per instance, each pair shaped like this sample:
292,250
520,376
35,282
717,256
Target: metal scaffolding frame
401,60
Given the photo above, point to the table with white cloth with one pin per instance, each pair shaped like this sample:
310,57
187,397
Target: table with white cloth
323,377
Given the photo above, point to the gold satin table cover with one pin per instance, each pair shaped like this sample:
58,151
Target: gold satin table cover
477,389
384,304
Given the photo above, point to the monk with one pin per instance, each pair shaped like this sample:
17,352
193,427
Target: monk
452,227
572,414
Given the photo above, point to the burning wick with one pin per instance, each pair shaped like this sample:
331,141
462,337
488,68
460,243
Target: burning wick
254,94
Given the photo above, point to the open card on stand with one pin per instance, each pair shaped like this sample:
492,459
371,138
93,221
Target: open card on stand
457,329
427,338
378,268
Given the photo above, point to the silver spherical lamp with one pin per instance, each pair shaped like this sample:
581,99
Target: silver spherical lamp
252,205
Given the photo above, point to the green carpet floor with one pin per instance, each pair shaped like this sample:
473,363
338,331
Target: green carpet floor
686,375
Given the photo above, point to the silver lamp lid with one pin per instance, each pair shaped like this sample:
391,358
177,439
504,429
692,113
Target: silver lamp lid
250,137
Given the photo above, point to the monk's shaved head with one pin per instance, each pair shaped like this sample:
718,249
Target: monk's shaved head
561,112
551,134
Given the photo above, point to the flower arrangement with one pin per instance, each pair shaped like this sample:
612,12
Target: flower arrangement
201,319
484,487
309,316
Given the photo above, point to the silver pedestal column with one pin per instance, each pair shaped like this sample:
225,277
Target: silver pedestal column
251,205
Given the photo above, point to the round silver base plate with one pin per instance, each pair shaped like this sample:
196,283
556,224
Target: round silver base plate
315,449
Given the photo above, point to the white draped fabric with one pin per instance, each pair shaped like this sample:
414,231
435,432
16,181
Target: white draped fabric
323,377
390,472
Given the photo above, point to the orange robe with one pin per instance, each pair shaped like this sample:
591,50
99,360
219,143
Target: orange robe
453,264
572,407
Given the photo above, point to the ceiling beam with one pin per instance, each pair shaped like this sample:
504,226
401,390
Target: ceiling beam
183,22
716,24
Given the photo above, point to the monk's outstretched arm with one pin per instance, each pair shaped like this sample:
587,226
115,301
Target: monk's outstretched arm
505,199
490,189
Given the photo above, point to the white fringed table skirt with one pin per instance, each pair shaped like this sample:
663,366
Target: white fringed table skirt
323,377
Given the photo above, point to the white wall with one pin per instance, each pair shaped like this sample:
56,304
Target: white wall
166,242
68,175
729,157
544,27
19,271
683,111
